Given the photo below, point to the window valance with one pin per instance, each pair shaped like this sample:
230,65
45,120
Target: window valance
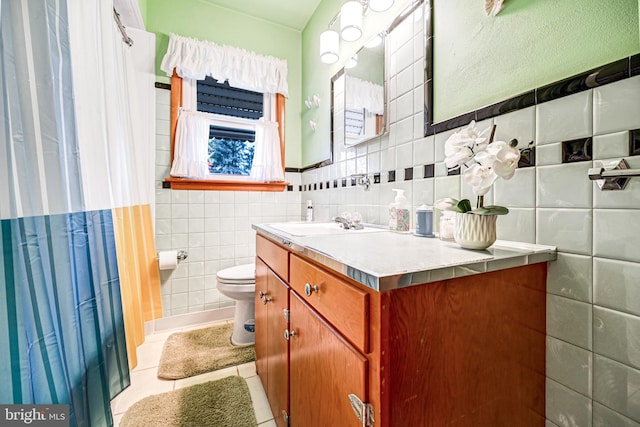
196,59
364,94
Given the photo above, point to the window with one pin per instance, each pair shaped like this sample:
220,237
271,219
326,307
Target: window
354,121
237,132
232,136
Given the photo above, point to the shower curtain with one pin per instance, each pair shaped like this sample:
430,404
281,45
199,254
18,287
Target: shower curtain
76,190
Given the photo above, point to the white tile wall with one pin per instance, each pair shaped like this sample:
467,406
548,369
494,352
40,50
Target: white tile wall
593,374
593,336
213,226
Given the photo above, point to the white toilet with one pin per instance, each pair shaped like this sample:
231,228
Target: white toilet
239,283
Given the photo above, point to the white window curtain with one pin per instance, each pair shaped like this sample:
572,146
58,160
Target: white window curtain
194,60
191,146
267,160
364,94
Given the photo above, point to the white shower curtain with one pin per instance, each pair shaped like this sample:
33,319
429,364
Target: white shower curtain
69,155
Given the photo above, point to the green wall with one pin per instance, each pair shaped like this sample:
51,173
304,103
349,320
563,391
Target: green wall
143,4
204,21
479,60
317,75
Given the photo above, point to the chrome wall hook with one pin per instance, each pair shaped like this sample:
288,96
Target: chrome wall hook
363,180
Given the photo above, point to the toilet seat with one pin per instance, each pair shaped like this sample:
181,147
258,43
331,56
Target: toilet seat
239,275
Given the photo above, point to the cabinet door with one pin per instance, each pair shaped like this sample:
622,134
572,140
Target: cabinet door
277,349
324,370
262,287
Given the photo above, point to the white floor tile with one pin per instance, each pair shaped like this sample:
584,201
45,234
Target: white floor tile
158,336
143,383
247,370
149,355
116,419
259,398
144,380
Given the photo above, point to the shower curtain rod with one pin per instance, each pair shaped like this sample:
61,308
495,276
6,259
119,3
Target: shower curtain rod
122,29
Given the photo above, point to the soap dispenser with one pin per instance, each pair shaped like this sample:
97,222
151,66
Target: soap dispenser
399,217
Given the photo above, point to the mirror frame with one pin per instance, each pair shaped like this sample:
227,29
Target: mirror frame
428,69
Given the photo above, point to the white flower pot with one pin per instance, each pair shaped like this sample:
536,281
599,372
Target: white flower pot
475,231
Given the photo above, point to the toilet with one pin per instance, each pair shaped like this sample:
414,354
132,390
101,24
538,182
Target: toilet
239,284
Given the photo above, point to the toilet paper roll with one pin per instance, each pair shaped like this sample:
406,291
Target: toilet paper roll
167,260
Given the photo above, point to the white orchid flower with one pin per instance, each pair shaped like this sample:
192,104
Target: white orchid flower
461,146
505,159
480,178
458,157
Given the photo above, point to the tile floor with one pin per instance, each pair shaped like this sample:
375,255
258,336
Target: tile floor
144,380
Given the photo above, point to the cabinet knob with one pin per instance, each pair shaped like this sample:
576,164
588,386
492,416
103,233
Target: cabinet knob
266,299
289,334
261,294
308,289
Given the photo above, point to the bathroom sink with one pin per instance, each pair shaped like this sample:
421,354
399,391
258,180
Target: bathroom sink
317,228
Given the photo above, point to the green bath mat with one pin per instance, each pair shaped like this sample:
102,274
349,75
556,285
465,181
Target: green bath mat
186,354
221,403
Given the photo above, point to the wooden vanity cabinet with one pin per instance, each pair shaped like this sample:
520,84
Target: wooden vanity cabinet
272,348
461,352
324,370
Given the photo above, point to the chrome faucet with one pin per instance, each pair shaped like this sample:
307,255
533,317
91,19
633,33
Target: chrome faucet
344,223
347,224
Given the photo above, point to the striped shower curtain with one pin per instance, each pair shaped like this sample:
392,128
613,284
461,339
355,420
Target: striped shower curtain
77,264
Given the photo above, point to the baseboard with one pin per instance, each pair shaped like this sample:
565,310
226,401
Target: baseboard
188,319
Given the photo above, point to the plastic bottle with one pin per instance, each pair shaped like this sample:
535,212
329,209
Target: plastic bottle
309,211
399,216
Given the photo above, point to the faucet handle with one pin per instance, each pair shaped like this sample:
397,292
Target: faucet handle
356,218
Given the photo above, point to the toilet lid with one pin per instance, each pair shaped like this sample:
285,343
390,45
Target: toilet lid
245,273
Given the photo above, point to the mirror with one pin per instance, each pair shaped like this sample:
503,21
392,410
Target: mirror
359,96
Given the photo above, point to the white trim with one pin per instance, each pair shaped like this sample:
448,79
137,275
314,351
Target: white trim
237,122
189,319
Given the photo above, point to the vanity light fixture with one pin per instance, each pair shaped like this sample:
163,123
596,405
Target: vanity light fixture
352,62
351,21
329,46
380,5
375,41
351,15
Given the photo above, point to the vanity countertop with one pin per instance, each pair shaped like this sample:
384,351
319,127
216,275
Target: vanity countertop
384,260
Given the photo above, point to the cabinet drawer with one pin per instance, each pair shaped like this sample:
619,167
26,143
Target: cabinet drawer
343,305
276,257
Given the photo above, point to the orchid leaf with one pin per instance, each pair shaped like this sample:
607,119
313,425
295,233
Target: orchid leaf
490,210
464,205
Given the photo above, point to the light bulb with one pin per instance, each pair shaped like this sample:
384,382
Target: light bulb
351,21
380,5
329,45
